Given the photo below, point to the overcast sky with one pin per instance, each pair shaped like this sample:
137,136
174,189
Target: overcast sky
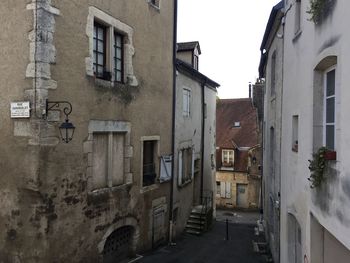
230,33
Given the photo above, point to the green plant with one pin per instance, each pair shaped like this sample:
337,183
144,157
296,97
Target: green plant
317,167
318,9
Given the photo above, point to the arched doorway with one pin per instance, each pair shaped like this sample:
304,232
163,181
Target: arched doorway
119,245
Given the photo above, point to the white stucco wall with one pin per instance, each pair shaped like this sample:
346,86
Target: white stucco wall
303,52
187,134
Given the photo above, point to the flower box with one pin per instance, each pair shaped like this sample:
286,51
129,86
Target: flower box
330,155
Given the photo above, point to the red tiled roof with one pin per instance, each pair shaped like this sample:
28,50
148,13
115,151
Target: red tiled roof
229,111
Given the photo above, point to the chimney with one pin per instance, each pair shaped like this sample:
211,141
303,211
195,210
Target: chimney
250,90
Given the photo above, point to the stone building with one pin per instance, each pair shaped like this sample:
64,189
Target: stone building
103,194
238,176
194,162
312,70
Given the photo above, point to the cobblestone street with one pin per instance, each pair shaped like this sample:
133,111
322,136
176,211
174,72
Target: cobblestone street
212,246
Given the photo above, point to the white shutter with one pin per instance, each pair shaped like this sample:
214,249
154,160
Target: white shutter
179,176
228,190
222,189
192,170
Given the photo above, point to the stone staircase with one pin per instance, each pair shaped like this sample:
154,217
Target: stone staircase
197,222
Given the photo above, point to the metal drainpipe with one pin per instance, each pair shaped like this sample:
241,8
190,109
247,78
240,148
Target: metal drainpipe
202,142
173,125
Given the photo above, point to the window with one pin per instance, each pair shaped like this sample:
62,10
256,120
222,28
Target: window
149,163
110,48
329,110
99,50
227,157
108,159
297,16
236,124
195,62
155,3
118,57
225,190
295,128
186,102
273,74
186,166
218,189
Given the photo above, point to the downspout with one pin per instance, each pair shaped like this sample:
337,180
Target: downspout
202,142
173,126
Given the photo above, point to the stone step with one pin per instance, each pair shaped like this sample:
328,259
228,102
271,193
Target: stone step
193,232
195,221
193,226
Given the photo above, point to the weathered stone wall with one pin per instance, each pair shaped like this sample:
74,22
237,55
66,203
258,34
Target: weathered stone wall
48,212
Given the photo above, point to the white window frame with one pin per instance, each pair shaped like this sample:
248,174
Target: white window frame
181,167
325,123
225,190
112,25
186,102
227,152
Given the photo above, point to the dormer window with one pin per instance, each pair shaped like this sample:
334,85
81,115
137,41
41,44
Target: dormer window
236,124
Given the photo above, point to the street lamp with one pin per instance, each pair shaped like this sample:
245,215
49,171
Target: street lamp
66,128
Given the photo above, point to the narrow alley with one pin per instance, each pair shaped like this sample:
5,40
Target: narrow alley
212,246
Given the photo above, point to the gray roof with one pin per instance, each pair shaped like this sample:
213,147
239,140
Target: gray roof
186,46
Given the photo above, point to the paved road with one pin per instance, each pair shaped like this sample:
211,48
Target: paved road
212,247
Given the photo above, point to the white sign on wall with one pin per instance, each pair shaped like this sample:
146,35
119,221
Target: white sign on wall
20,109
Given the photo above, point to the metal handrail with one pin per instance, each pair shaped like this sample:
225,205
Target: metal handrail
206,204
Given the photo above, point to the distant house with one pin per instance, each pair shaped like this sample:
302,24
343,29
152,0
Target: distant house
237,154
194,142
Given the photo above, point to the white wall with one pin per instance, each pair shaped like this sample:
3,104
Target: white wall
303,52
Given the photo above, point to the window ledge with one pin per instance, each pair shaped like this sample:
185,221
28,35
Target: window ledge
297,35
101,195
152,187
185,183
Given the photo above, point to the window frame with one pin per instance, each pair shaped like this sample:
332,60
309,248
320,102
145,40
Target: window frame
186,103
156,159
228,151
96,52
325,98
273,74
295,133
186,171
112,24
116,58
297,17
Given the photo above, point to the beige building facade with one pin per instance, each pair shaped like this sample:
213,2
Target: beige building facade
113,62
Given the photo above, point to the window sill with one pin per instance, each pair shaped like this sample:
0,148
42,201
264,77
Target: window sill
189,181
148,188
297,35
102,194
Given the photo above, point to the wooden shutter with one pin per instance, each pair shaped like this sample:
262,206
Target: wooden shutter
228,190
223,189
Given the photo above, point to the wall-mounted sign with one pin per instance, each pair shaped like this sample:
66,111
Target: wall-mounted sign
20,109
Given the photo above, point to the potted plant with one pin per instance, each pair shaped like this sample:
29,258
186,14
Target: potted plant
319,9
318,165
